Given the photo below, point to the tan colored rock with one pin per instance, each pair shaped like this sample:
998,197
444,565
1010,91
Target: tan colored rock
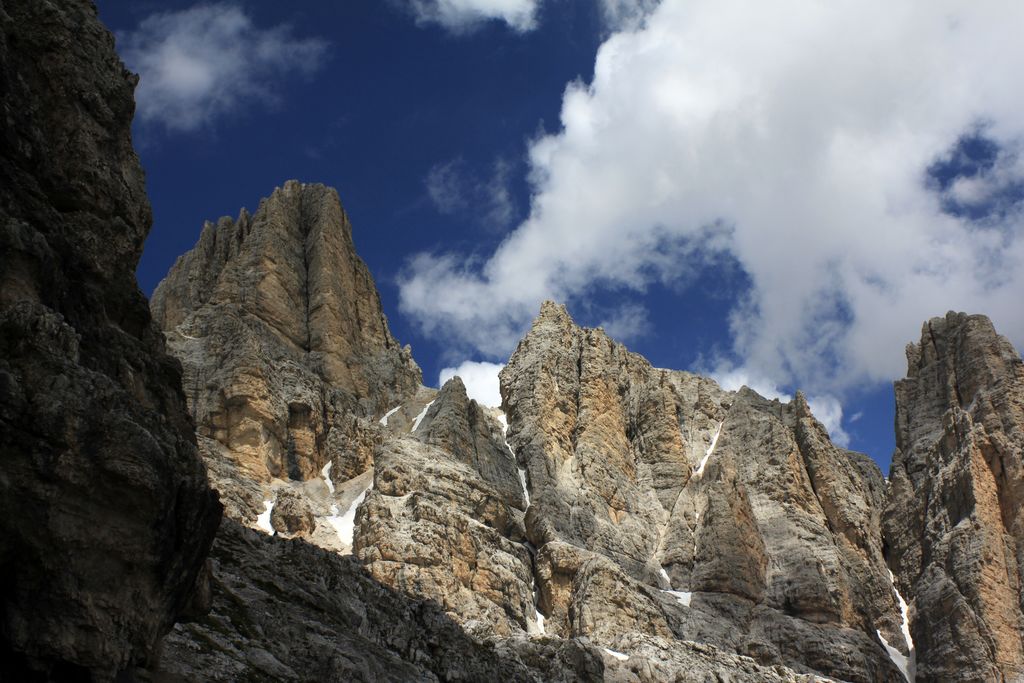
466,431
676,484
954,520
287,355
432,527
292,514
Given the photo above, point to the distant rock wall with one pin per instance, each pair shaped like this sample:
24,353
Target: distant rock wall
105,513
954,520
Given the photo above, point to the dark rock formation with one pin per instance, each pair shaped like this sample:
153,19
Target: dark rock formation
954,520
105,513
285,610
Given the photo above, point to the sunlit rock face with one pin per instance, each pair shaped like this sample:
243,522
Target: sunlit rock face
954,521
606,500
105,513
663,505
287,356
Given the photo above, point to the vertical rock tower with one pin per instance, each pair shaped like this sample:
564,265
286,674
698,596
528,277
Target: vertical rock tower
282,338
954,521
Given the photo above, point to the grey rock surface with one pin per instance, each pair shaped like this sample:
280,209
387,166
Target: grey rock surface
105,512
286,610
645,481
434,527
954,519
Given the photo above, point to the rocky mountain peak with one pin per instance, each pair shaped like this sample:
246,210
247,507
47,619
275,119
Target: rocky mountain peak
698,503
282,338
954,519
293,266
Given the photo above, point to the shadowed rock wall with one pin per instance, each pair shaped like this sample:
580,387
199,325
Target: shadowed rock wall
105,513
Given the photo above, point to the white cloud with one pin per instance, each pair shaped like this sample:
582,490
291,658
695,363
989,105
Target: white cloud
793,137
199,64
445,187
735,378
990,185
480,378
829,412
463,15
626,323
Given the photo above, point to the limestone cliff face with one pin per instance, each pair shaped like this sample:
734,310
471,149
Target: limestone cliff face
608,504
105,513
954,520
444,519
663,505
280,331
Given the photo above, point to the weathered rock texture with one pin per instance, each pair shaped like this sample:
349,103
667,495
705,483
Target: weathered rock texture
637,509
445,517
105,512
284,345
285,610
954,521
644,481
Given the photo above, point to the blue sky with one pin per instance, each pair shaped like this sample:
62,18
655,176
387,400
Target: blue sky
774,194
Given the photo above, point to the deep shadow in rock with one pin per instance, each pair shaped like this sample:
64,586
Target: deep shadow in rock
286,610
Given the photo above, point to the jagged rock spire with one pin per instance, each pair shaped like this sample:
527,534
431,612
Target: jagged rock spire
281,334
954,522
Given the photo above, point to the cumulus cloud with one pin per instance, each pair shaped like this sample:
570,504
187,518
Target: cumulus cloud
797,139
199,64
480,378
463,15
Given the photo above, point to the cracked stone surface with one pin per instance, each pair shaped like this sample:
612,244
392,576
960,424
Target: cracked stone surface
954,520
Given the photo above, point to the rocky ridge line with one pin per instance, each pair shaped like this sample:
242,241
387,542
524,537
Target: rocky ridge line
665,506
